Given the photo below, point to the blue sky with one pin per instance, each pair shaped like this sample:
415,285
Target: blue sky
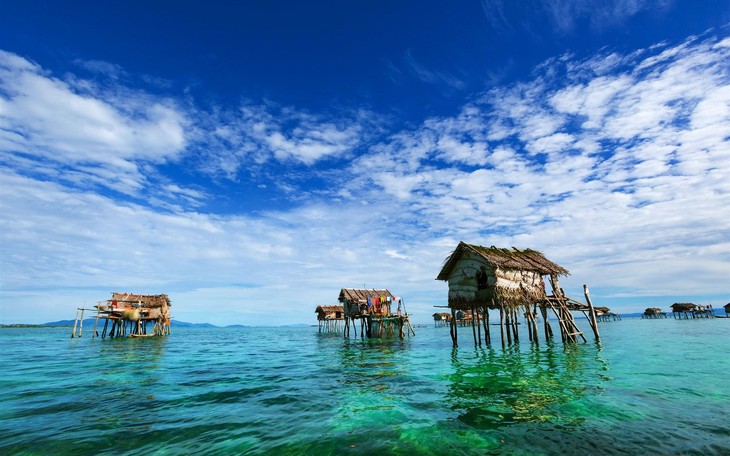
245,157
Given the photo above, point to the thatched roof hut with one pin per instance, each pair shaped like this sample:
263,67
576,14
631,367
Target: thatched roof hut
490,276
330,312
441,316
359,302
602,310
652,311
684,307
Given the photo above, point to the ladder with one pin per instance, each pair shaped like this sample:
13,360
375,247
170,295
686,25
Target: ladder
568,328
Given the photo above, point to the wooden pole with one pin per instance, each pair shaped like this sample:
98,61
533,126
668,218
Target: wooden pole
479,328
501,322
594,323
485,322
76,320
454,333
81,323
473,327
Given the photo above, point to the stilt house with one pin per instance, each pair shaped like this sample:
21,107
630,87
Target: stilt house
483,278
689,310
374,309
330,318
653,312
441,318
131,315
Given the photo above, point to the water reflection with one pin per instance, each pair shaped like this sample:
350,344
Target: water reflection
492,388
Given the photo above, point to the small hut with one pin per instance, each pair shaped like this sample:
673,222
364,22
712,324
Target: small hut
687,310
727,309
483,278
330,318
441,318
653,313
130,315
604,313
374,309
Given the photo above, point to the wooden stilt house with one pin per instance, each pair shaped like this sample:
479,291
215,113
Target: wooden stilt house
374,309
688,310
653,313
508,280
330,318
128,314
441,318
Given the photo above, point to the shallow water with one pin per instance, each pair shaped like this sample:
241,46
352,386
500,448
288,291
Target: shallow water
650,386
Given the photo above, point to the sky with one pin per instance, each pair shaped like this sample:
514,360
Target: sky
250,159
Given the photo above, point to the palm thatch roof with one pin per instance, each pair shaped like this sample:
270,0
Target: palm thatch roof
361,295
161,300
514,259
684,307
328,309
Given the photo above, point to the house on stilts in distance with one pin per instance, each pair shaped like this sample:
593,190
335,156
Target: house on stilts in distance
373,309
127,314
330,318
512,282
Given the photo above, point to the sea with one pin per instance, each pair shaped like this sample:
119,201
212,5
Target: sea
648,387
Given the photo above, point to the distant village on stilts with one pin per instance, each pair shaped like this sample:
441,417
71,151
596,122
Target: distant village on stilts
510,282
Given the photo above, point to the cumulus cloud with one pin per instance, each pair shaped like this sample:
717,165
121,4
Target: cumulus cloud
578,160
100,138
614,166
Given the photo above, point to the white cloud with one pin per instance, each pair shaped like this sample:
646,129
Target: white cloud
100,139
621,177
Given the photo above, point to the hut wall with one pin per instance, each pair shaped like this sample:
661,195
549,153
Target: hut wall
512,286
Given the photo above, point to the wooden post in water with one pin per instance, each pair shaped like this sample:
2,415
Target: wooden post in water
485,322
501,322
454,334
475,310
76,320
594,323
473,327
81,323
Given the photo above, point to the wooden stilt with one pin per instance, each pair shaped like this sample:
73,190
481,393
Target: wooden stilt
485,322
515,323
546,323
501,322
81,323
76,320
479,328
594,323
508,325
473,326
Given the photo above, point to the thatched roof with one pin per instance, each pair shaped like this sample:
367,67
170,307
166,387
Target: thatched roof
361,295
513,259
684,307
326,309
652,311
147,300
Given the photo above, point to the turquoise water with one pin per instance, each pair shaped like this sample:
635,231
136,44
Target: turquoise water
650,386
